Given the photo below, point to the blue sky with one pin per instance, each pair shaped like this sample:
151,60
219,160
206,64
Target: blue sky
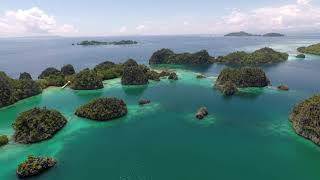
145,17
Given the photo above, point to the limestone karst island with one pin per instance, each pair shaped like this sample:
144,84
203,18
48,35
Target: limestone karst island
160,90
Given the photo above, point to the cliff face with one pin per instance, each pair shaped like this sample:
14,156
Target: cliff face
134,74
12,90
305,119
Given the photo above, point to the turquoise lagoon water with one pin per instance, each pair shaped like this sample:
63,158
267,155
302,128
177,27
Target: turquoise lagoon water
245,137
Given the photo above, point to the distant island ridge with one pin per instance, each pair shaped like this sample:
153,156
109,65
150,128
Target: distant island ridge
96,43
243,33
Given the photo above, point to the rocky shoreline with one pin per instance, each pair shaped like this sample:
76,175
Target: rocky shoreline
305,119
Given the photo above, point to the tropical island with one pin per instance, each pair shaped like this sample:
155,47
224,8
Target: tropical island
3,140
37,125
14,90
167,56
230,79
305,119
273,35
244,34
97,43
240,33
312,49
258,57
103,109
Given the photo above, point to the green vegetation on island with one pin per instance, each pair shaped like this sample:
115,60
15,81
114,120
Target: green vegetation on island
228,88
53,77
103,109
134,74
261,56
240,33
37,125
244,34
34,166
25,75
68,70
86,80
273,35
301,56
13,90
108,70
313,49
167,56
3,140
96,43
231,78
305,119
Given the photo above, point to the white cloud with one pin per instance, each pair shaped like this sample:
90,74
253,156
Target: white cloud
301,16
33,21
186,23
123,29
140,27
303,2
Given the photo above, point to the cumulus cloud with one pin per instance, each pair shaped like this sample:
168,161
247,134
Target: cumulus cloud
303,2
140,27
301,16
33,21
186,23
123,29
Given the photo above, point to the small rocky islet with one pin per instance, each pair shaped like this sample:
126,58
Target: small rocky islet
3,140
173,76
301,56
34,166
202,113
144,102
103,109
